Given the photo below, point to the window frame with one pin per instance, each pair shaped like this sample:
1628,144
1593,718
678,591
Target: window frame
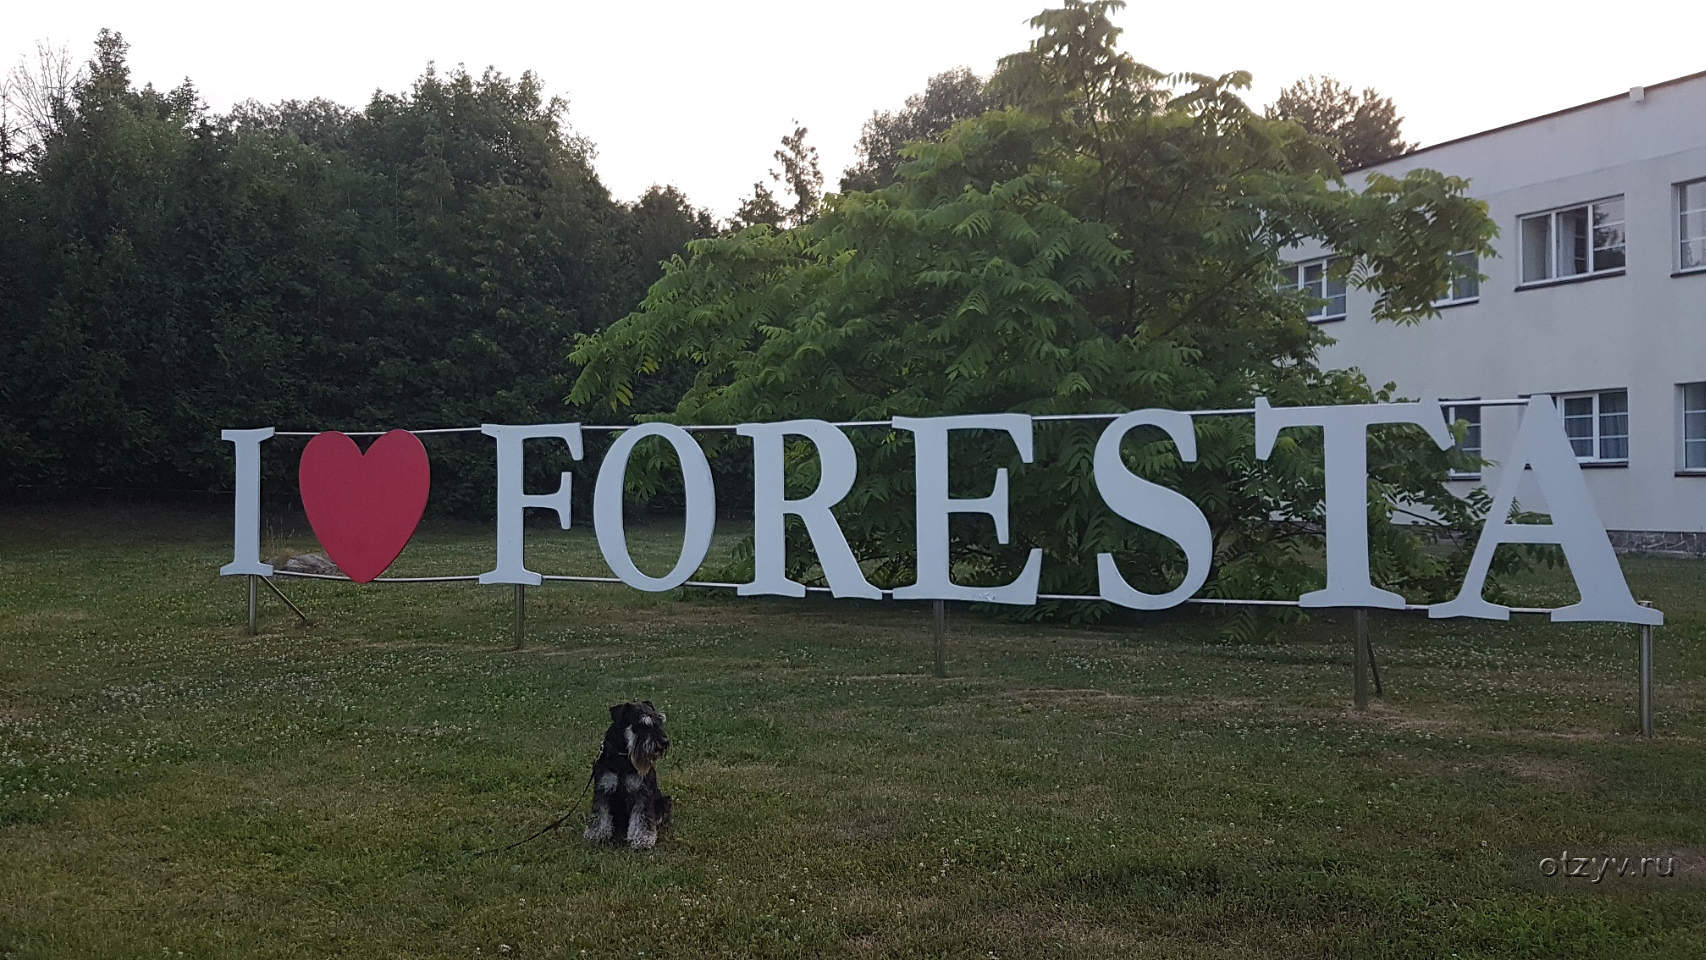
1453,408
1679,196
1451,299
1682,438
1294,271
1552,275
1598,437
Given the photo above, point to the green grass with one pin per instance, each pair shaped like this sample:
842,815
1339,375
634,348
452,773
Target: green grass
170,786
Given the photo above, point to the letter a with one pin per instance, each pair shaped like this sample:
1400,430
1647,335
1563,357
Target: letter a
1542,445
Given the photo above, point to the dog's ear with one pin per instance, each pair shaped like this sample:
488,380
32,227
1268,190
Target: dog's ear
648,703
617,711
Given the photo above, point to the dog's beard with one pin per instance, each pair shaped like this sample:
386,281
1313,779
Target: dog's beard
643,750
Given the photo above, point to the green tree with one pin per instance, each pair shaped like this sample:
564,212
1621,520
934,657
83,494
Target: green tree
1359,129
660,224
947,98
1108,241
799,177
760,208
424,261
34,99
801,174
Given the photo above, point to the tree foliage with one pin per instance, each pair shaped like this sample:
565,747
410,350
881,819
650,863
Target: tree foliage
422,262
947,98
799,177
34,96
1106,240
1359,129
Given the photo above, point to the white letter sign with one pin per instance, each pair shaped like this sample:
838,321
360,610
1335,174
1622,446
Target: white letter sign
701,498
838,467
1542,445
512,500
1344,447
1165,511
361,537
246,510
930,458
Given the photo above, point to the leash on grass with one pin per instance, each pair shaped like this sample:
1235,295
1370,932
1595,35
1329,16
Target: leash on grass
547,828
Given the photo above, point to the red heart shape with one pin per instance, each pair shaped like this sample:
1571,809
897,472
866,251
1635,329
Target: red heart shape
364,509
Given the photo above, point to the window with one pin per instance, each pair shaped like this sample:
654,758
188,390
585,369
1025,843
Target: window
1691,221
1692,456
1470,416
1597,425
1313,277
1466,284
1573,242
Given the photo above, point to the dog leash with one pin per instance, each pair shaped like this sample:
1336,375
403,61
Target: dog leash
603,750
547,828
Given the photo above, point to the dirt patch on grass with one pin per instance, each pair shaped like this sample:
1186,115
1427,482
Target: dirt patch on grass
49,619
1574,736
864,943
715,770
17,713
1070,697
861,827
1044,925
901,903
1382,713
408,645
1545,770
911,680
1089,935
1445,721
568,652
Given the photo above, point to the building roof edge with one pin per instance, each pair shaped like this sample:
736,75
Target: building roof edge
1518,123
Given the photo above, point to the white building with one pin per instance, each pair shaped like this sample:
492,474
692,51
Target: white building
1597,296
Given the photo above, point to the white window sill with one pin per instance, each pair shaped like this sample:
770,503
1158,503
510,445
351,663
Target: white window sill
1332,319
1691,271
1602,463
1445,304
1573,278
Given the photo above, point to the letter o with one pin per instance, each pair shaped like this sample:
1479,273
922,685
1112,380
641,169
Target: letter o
701,512
1545,872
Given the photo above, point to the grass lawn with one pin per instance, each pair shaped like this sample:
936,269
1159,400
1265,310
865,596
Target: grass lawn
170,786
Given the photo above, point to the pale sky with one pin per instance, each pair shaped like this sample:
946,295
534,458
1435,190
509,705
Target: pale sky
698,94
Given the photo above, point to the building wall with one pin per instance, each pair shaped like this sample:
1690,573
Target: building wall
1644,330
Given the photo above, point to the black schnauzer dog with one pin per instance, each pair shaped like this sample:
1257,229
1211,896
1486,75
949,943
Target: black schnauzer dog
625,780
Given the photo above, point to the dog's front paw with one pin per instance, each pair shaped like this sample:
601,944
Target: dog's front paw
641,834
600,829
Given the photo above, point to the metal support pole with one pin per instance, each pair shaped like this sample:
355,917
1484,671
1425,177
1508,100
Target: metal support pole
252,604
1359,682
1646,677
940,617
1374,668
274,588
520,616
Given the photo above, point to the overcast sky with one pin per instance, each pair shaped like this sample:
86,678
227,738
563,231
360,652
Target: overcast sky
697,94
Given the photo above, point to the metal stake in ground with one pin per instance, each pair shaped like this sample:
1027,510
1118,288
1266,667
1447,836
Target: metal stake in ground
1646,676
940,619
520,616
1359,681
1374,668
287,601
252,603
